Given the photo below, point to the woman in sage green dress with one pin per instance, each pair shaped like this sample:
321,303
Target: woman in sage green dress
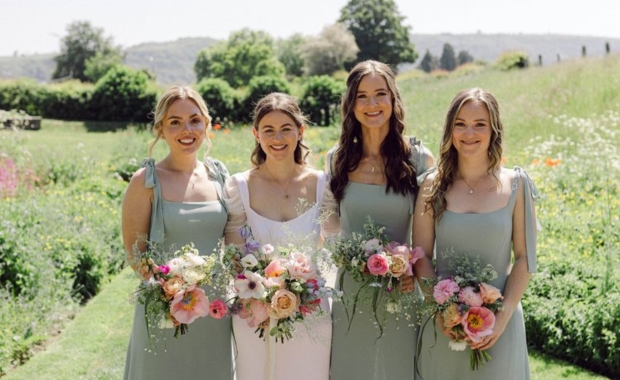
174,202
473,206
373,174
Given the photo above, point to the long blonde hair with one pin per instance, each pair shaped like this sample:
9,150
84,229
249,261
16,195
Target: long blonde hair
163,105
447,163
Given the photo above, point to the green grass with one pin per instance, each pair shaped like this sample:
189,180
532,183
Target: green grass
93,345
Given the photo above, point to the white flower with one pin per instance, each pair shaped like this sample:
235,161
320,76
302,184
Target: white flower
250,285
165,323
267,249
192,276
393,307
249,261
194,260
457,345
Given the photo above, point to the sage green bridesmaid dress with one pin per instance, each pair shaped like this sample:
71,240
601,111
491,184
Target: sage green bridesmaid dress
205,351
487,236
356,352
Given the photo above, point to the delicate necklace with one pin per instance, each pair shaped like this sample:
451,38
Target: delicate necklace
285,191
372,166
471,188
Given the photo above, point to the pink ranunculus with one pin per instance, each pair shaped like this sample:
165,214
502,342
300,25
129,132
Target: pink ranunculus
378,264
470,297
274,269
373,246
164,269
489,293
301,266
254,312
218,309
267,249
190,304
444,290
477,323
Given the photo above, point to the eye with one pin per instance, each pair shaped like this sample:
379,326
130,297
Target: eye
196,120
481,125
459,124
382,93
361,96
174,122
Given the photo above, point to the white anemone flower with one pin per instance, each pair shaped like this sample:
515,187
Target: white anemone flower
251,286
249,261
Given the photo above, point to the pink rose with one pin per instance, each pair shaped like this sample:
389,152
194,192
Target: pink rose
378,264
444,290
274,269
190,304
283,304
477,323
300,266
489,293
469,297
253,311
218,309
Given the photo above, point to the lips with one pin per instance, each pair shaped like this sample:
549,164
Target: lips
375,113
277,147
187,141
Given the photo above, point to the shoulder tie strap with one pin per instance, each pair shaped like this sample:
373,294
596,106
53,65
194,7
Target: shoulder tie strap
156,233
530,193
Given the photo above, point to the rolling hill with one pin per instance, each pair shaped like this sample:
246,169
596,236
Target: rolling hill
173,62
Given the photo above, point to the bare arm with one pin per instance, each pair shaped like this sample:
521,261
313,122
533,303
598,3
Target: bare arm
136,216
236,212
424,233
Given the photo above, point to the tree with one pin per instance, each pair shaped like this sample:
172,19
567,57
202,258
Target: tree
464,57
244,55
328,52
289,52
97,66
379,31
82,42
448,59
428,63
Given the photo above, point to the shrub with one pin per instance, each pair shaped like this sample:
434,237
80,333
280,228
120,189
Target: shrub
220,98
259,87
513,60
21,94
124,94
69,100
321,99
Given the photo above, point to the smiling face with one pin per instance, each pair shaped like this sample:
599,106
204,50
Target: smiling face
278,135
471,132
373,102
183,126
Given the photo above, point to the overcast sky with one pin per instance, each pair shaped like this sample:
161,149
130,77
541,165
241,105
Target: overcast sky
36,26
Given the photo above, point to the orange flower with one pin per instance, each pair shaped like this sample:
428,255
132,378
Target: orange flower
535,162
217,127
504,160
551,162
211,135
226,131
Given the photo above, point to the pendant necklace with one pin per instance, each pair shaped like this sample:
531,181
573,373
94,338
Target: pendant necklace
471,188
285,191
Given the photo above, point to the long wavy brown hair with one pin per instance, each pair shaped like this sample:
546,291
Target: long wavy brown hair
278,101
447,164
399,171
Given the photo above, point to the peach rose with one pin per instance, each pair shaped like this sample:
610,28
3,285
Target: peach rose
301,267
489,293
173,286
398,265
283,304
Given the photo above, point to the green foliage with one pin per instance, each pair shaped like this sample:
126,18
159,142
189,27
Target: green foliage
98,65
246,54
21,94
321,99
289,52
69,100
221,99
379,31
513,60
259,87
329,52
124,94
447,61
464,57
82,43
428,62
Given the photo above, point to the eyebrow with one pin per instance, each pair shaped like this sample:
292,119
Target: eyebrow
460,118
377,90
180,118
271,126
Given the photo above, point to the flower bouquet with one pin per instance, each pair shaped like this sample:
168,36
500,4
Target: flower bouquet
467,304
275,286
379,264
171,295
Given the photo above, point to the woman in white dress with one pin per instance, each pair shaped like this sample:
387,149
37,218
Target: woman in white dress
268,197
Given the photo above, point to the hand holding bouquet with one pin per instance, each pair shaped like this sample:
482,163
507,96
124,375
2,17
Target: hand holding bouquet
379,265
281,285
171,295
467,305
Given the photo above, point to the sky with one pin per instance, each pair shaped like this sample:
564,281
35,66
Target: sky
37,26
